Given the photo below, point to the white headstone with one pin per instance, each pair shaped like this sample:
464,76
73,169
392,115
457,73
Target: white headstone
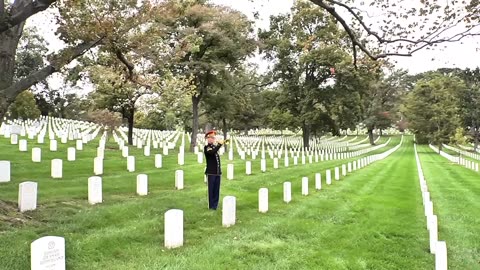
433,233
27,196
142,184
48,253
263,165
200,157
275,163
100,152
14,139
98,166
337,173
344,169
318,181
304,186
131,163
441,256
165,149
40,139
79,145
56,168
349,167
287,192
248,167
53,145
286,161
158,161
230,171
4,171
228,211
71,154
179,179
22,145
36,154
328,177
181,158
125,151
263,200
95,189
429,208
173,231
63,139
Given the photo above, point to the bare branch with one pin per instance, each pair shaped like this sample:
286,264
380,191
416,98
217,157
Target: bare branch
431,39
350,33
23,12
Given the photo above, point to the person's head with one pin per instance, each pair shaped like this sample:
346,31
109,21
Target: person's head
210,136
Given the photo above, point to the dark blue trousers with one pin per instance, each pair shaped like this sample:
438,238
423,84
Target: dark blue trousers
213,190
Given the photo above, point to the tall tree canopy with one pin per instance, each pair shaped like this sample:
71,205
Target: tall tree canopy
207,39
432,108
303,45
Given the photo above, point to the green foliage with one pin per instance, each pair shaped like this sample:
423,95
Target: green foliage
280,120
24,106
158,120
304,45
459,137
109,120
30,53
431,108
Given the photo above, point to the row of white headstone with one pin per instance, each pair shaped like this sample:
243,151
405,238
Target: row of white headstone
438,248
49,251
27,193
174,217
463,152
459,160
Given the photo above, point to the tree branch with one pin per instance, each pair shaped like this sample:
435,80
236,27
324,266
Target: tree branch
23,13
256,85
422,42
2,11
60,60
124,60
353,38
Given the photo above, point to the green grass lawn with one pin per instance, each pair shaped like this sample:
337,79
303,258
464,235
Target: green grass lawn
455,193
372,219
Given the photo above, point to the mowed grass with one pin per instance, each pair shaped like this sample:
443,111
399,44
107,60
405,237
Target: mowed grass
455,193
371,219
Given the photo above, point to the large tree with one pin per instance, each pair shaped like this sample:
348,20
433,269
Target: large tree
207,39
12,22
24,107
432,108
469,101
303,45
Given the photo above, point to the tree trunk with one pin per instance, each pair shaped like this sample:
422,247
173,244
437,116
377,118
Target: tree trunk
225,131
475,139
8,47
306,135
130,119
195,103
370,136
381,132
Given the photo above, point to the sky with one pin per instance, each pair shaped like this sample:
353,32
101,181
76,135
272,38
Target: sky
464,54
461,54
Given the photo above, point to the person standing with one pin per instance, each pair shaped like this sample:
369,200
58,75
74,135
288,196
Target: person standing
213,171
